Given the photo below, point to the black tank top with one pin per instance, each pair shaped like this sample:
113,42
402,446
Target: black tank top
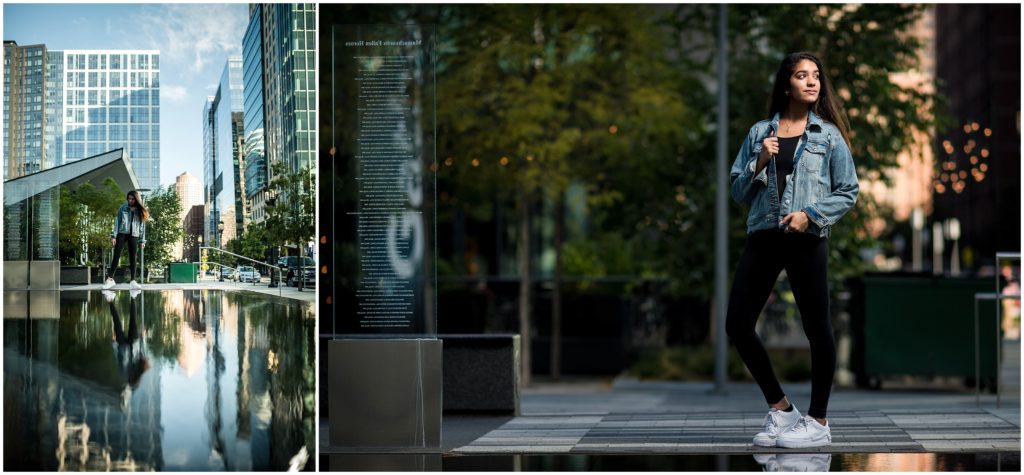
784,161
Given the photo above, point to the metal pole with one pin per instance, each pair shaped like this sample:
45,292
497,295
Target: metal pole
977,356
721,216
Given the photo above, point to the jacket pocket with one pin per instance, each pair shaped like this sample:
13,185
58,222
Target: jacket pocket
813,156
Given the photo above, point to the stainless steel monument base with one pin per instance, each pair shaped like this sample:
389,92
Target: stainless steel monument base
384,393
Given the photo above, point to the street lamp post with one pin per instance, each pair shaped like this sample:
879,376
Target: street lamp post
273,251
199,253
220,234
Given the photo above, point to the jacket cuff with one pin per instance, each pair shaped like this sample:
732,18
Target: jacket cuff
815,216
761,177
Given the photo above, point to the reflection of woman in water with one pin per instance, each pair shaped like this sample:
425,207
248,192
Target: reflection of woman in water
129,230
131,359
796,172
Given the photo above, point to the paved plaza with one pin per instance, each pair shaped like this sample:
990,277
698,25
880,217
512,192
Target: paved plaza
632,417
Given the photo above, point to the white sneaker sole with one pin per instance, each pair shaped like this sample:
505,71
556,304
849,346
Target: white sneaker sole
764,441
803,444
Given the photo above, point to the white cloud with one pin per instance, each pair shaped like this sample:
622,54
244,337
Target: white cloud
194,35
173,92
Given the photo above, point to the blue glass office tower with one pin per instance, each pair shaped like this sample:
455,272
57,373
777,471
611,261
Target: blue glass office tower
223,157
256,172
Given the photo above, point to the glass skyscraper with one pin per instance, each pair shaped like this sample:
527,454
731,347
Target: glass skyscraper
256,172
285,35
62,106
223,156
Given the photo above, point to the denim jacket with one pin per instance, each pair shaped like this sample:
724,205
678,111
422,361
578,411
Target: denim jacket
823,183
128,222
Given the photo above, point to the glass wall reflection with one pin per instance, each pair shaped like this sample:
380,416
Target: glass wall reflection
160,380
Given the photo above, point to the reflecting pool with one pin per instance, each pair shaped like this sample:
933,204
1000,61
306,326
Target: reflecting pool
158,380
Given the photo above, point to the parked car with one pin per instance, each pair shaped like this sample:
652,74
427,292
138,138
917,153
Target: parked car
290,268
248,274
228,273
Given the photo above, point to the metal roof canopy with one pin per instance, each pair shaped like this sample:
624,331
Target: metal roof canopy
113,164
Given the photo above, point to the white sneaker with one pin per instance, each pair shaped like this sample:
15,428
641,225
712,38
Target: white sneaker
107,284
807,432
804,462
109,296
774,424
769,462
134,293
134,285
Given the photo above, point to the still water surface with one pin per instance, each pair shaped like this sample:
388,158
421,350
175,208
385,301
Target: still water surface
157,380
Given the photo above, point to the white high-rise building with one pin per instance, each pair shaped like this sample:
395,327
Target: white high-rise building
111,99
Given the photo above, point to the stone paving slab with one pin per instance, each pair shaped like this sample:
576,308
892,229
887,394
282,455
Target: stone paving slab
687,418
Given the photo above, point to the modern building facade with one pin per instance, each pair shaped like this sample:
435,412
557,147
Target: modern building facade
223,156
25,82
978,180
285,35
194,227
256,171
63,106
190,193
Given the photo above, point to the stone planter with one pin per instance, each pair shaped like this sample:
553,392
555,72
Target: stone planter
75,275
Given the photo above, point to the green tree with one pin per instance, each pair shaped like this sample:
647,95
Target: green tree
291,213
87,216
536,97
164,228
72,232
252,244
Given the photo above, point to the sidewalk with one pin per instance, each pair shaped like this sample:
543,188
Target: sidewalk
633,417
308,295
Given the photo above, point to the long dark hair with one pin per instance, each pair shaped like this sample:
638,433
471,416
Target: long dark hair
827,106
138,203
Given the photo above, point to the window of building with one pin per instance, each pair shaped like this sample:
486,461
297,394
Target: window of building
96,148
98,132
140,115
119,132
97,115
118,115
76,133
140,132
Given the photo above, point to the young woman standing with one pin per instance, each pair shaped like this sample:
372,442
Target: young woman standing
129,229
796,173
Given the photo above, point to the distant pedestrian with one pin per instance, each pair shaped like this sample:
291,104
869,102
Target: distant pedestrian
796,172
129,229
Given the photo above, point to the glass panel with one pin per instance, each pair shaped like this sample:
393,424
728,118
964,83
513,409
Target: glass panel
31,231
383,279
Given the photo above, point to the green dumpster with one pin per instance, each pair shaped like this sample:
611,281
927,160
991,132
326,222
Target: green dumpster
922,325
183,272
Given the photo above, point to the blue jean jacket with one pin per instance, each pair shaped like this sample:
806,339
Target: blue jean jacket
128,222
823,184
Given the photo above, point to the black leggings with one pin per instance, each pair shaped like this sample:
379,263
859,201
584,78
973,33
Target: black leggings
805,258
133,246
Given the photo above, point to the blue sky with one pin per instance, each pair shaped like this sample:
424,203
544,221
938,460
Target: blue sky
194,40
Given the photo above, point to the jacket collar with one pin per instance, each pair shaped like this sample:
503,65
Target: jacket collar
812,119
